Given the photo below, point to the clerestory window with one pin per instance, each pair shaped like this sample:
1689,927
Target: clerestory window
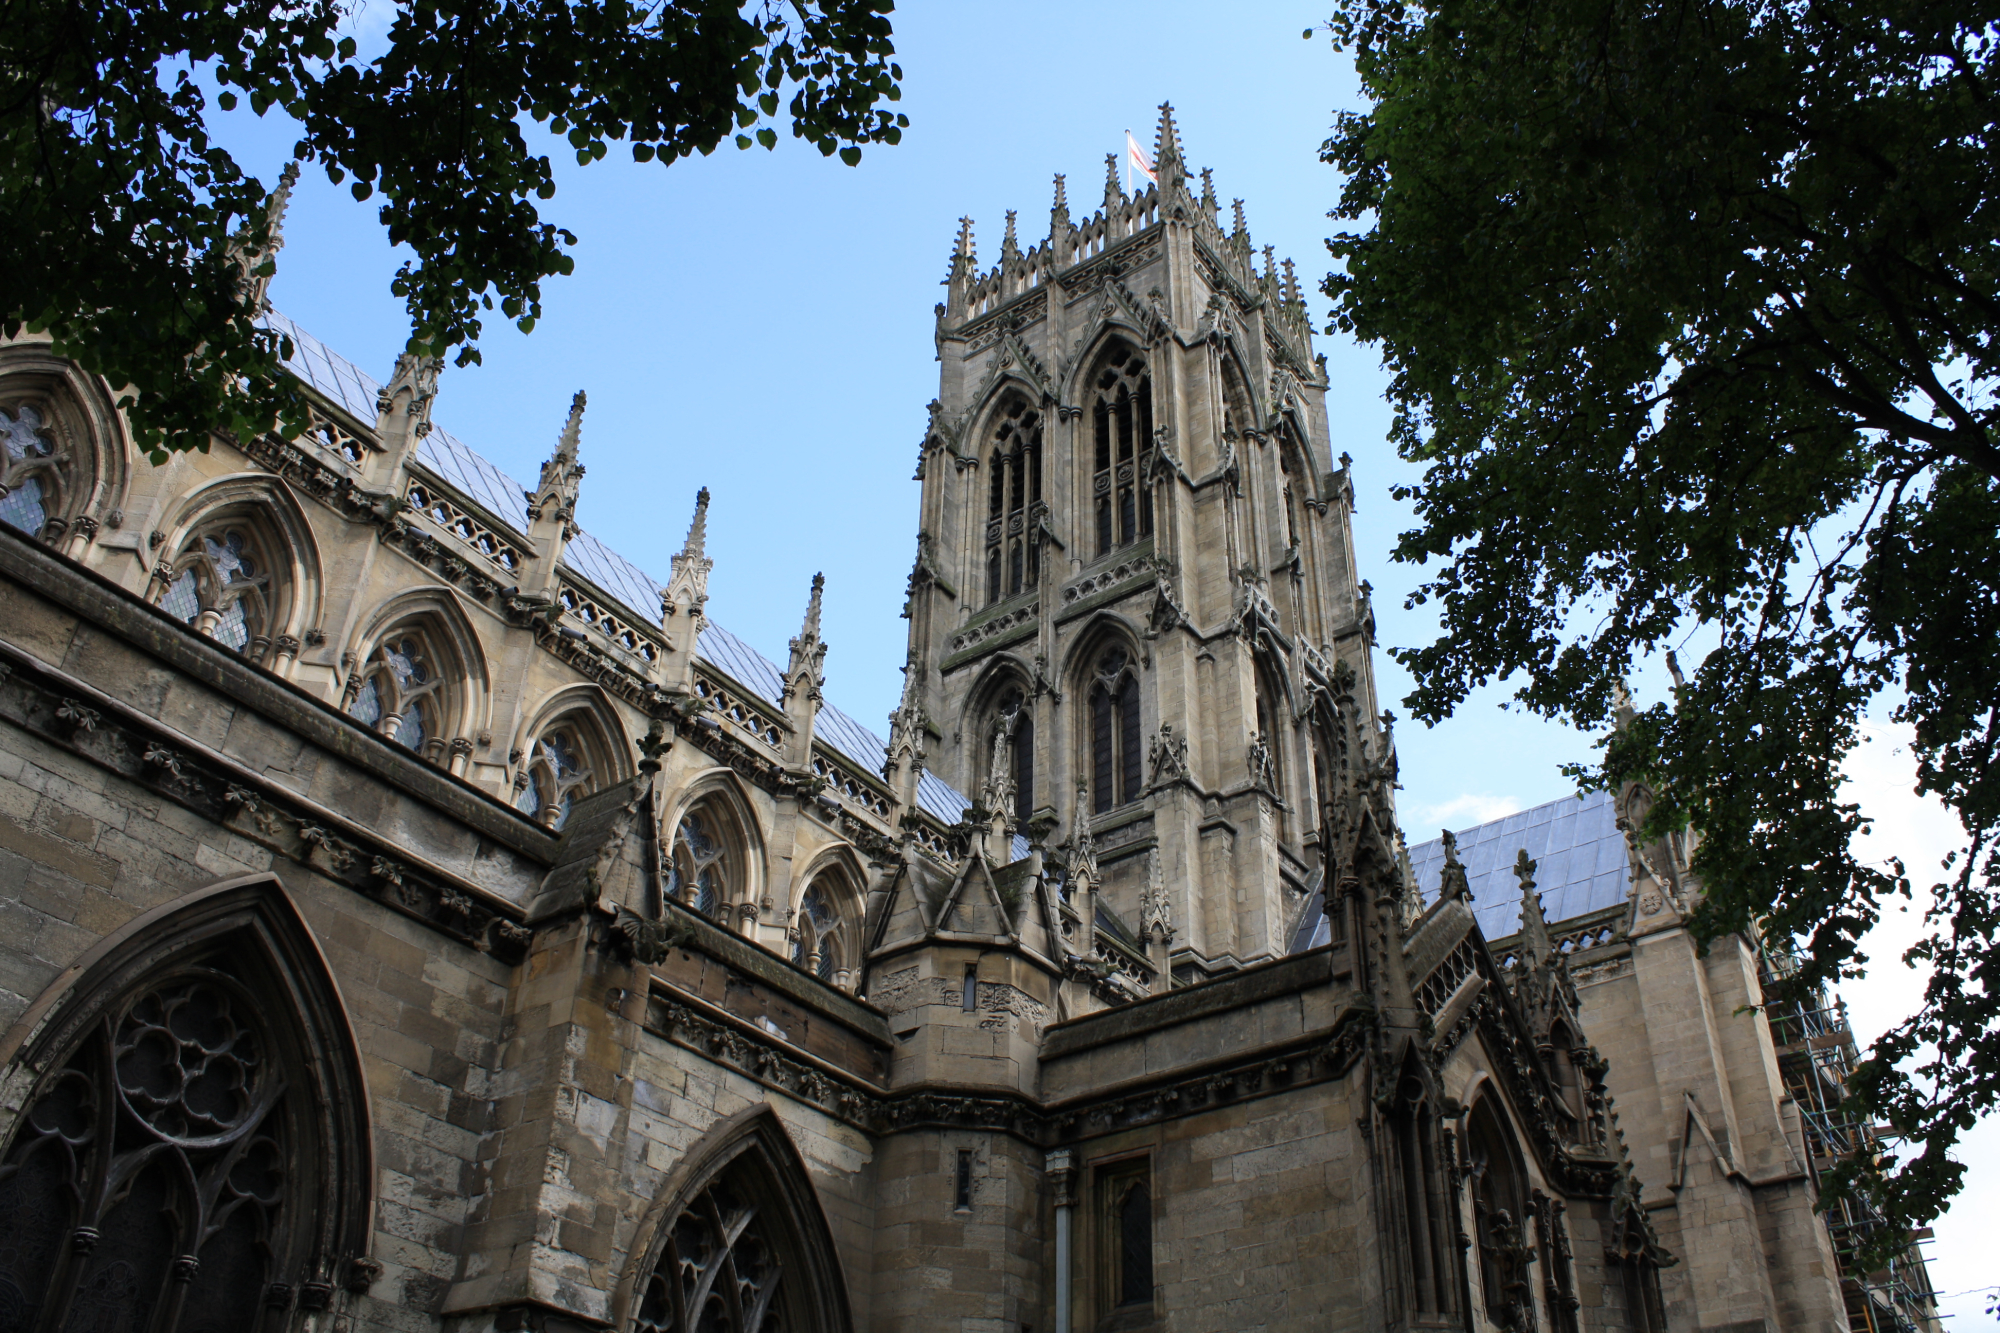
220,584
33,471
1013,505
1122,426
700,872
1116,770
554,773
398,692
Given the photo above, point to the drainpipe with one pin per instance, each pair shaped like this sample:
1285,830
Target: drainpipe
1062,1174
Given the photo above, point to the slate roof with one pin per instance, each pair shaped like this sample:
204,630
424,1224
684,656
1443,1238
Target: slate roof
1580,865
507,500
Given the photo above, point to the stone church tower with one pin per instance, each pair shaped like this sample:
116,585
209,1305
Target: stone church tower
1135,570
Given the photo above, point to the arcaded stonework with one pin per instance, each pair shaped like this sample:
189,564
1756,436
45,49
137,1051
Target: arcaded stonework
471,934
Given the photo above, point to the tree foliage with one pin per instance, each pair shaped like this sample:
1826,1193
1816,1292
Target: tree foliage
1690,308
135,240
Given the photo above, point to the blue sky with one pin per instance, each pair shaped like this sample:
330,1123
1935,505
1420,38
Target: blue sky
761,324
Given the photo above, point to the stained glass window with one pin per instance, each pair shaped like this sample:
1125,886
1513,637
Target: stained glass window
816,942
718,1271
367,706
183,598
23,502
700,859
396,687
554,772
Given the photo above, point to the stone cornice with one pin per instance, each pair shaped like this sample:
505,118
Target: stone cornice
82,721
124,616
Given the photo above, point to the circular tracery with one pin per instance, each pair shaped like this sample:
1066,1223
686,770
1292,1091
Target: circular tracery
187,1061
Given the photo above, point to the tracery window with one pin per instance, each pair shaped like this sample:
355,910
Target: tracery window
1123,431
744,1248
166,1175
699,873
1014,504
554,772
1014,725
819,934
221,585
1116,769
33,471
399,692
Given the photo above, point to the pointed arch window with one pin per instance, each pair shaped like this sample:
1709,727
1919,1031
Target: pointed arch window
1124,1277
1115,765
33,471
1421,1195
174,1170
742,1246
820,937
221,584
1122,431
704,871
1014,503
1500,1220
400,693
556,770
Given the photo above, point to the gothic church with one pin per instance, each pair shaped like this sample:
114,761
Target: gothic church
415,917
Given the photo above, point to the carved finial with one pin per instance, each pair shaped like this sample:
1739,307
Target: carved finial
1292,292
1167,163
1453,886
1241,234
1209,203
1114,193
572,431
810,630
802,673
1062,197
1534,927
697,538
964,253
554,497
1271,266
252,258
1009,246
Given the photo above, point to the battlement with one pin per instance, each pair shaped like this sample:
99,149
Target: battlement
974,292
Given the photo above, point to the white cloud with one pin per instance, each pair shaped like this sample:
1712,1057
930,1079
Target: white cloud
1460,812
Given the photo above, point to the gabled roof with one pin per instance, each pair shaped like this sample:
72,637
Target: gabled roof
505,501
1580,866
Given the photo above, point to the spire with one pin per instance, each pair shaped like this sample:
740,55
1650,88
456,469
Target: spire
402,417
552,508
554,497
964,268
803,679
1535,947
1060,227
903,766
258,263
1167,163
681,603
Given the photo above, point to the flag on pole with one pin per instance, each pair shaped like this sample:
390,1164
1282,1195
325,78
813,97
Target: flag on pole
1137,164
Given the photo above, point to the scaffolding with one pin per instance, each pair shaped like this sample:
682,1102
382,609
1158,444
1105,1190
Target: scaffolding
1816,1054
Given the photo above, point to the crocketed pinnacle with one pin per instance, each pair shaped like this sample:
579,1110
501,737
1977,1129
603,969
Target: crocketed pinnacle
697,538
1114,193
1534,926
1167,163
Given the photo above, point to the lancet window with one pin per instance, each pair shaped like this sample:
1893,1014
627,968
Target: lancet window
1013,505
1116,768
1014,726
1122,428
400,693
167,1174
1125,1243
220,584
1426,1218
555,771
